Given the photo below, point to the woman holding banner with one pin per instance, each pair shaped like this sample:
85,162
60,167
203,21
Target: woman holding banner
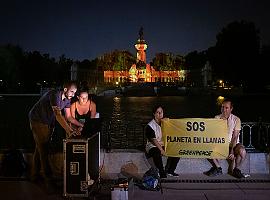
155,147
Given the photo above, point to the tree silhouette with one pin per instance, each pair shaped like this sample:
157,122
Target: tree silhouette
236,53
11,61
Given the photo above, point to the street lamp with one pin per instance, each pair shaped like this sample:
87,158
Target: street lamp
221,83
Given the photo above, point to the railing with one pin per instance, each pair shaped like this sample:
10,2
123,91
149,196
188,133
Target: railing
254,136
123,135
118,135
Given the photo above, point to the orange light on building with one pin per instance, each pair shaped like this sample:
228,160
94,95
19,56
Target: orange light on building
143,72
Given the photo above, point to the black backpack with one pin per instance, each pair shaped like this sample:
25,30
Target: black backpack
13,164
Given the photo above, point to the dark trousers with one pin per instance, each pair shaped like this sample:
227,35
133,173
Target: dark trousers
171,164
157,158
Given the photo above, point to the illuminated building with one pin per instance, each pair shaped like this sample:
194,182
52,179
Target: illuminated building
141,71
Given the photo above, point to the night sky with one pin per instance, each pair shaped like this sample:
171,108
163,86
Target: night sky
85,29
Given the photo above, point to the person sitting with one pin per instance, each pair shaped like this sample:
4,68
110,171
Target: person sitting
155,147
237,152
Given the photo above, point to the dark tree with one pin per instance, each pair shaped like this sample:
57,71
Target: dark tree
265,65
11,61
195,60
235,56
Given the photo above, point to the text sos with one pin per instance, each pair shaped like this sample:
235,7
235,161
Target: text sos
195,126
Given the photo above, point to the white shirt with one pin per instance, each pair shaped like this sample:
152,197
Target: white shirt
157,129
233,123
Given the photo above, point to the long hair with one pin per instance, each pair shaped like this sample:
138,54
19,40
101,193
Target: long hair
154,109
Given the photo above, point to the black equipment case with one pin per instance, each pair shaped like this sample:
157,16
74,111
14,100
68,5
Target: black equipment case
81,165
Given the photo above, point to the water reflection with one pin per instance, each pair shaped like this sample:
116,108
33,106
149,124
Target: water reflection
125,117
117,114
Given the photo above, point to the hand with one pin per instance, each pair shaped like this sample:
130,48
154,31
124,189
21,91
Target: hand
73,132
231,156
162,152
80,129
76,132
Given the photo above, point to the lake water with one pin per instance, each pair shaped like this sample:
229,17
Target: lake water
125,117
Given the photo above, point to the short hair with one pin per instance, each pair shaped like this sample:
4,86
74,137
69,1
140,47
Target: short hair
228,100
68,84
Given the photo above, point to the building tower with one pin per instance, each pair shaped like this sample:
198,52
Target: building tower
141,47
141,66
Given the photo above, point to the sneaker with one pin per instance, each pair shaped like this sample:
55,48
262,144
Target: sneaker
214,172
209,171
219,171
173,174
237,173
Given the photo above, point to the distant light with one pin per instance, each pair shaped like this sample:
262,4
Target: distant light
1,80
116,83
221,82
220,99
